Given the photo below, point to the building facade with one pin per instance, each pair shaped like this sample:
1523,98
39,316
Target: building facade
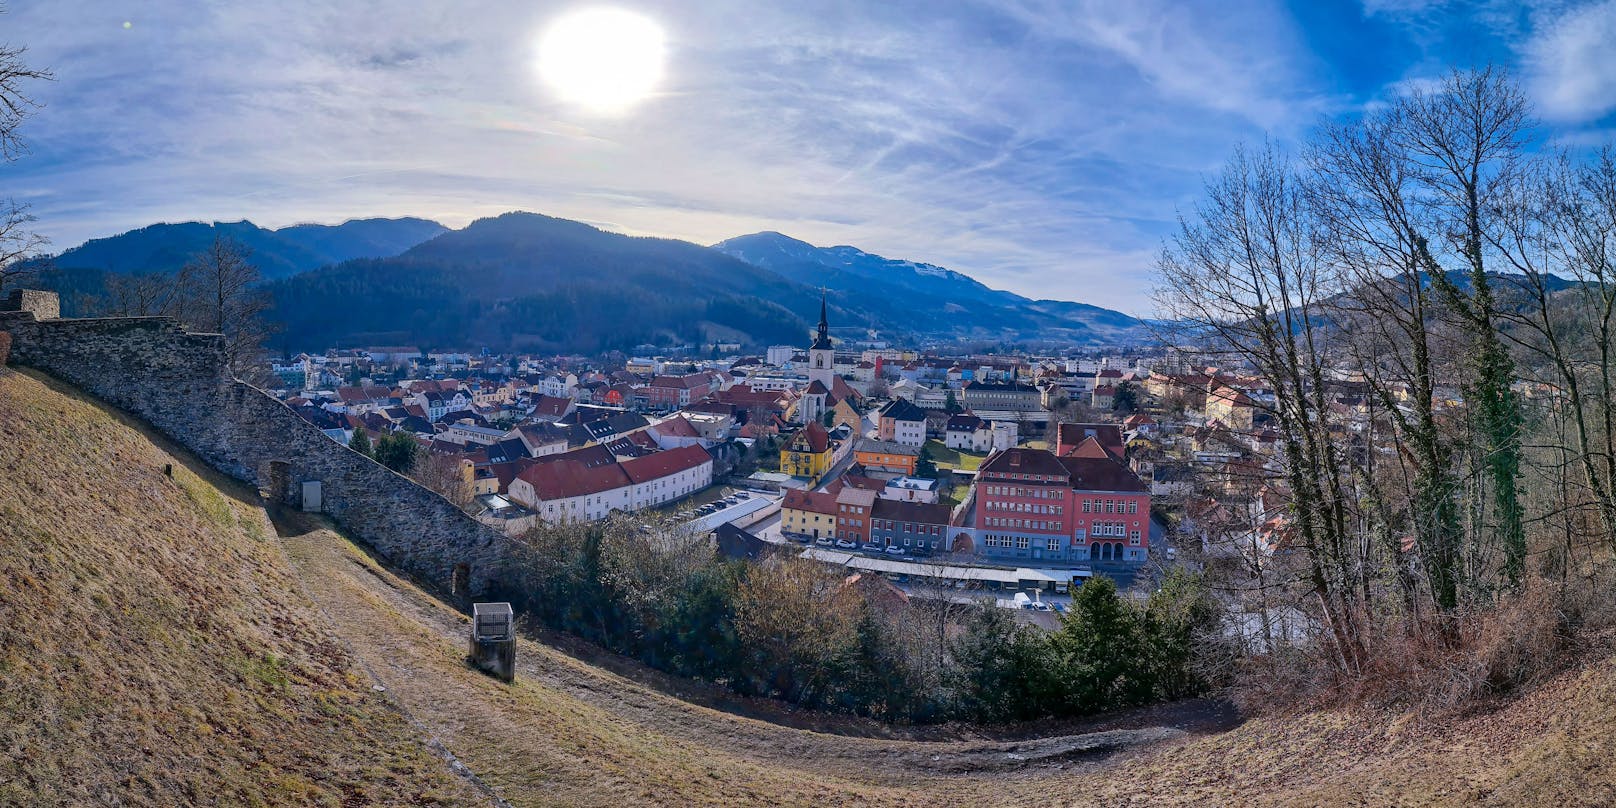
1086,506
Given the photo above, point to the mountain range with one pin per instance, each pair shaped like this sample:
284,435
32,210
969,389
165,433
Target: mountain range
534,282
277,253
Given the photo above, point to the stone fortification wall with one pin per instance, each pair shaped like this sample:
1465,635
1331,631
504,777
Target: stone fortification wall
175,381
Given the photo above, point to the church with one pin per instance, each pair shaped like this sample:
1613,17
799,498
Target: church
825,389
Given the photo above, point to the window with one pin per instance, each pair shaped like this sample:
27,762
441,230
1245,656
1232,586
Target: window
1022,542
1133,507
1085,506
1054,545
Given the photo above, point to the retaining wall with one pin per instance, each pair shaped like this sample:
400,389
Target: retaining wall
175,381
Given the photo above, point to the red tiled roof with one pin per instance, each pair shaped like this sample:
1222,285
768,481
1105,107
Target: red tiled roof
811,501
1102,474
818,438
1020,460
1091,449
1070,436
551,405
564,479
662,464
676,427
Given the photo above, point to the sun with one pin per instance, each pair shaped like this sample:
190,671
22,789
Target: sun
604,60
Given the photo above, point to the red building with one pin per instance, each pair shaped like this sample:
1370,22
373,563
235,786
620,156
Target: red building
1084,505
673,392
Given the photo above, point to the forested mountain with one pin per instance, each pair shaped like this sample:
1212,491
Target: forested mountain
277,253
930,299
532,281
524,280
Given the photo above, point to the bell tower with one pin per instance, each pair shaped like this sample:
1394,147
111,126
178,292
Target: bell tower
821,355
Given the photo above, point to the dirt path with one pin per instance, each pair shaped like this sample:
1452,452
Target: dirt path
572,733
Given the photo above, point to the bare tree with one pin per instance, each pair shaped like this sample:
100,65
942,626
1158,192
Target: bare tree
1245,274
19,245
1467,141
222,297
447,475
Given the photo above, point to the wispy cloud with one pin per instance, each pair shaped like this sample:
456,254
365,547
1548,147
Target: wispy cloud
1572,64
1041,145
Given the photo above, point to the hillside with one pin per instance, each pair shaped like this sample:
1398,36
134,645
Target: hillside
931,299
533,281
155,648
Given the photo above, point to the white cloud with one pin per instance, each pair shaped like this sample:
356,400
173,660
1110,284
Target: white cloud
1571,64
1040,149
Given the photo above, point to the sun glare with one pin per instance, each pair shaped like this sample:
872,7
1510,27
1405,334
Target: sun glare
604,60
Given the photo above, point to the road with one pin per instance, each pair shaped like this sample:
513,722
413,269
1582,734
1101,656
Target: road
837,470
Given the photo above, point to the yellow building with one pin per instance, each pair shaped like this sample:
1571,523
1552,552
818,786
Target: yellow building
808,453
808,513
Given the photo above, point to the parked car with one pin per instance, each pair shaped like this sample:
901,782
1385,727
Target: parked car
825,540
871,547
846,545
894,550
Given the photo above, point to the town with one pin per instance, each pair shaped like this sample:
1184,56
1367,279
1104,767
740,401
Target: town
1009,475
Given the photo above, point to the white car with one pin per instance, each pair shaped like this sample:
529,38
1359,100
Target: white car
846,545
894,550
825,540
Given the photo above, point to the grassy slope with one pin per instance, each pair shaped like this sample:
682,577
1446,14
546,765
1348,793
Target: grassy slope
572,734
124,563
154,647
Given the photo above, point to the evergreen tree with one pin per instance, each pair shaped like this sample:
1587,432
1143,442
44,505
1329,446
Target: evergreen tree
1102,649
360,442
951,403
398,452
925,467
1126,399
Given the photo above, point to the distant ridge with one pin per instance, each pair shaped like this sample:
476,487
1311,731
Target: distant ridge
277,253
934,300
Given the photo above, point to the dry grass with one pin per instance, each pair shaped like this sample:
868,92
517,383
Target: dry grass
154,648
191,672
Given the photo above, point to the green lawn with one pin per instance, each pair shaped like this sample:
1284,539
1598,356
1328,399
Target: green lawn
947,458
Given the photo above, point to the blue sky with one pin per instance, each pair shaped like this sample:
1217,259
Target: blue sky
1043,146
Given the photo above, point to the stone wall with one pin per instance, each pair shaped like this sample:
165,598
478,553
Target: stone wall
174,380
44,305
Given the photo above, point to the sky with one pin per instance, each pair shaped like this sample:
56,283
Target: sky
1042,146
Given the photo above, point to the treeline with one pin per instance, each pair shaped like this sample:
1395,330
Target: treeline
1438,263
797,630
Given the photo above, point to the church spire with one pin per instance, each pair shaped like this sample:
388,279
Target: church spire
822,340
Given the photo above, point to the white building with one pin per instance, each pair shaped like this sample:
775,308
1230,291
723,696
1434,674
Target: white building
1005,435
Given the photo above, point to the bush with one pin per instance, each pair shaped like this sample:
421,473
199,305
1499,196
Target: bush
796,630
1436,662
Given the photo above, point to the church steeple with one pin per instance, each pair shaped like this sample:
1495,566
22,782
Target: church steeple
822,341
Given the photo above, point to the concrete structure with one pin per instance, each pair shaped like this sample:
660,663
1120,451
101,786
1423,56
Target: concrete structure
492,646
1006,434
